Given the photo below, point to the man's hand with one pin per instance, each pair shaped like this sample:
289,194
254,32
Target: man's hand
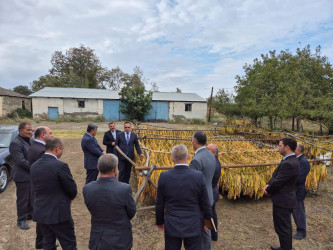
265,192
160,227
142,156
206,229
113,143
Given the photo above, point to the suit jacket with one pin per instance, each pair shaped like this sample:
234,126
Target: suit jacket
54,188
111,206
19,148
182,191
303,173
92,151
108,140
282,184
35,152
205,162
127,149
215,180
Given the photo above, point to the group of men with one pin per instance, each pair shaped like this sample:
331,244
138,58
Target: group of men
186,194
125,141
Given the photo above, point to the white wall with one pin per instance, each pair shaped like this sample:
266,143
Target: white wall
199,110
66,106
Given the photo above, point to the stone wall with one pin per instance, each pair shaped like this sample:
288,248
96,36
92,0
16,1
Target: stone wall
10,103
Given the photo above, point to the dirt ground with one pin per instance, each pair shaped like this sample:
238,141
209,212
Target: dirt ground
243,223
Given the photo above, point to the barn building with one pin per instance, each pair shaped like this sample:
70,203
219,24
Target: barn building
10,101
53,102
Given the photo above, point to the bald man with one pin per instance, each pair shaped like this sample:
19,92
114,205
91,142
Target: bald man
215,181
35,152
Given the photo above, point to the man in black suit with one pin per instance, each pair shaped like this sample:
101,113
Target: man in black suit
19,148
111,206
126,141
204,161
182,191
92,151
36,151
110,137
215,182
54,190
281,188
299,211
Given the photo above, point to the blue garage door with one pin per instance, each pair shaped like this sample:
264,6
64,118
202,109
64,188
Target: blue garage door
53,113
111,111
159,111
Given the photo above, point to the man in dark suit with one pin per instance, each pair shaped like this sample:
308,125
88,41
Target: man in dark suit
111,206
54,190
92,151
36,151
126,141
204,161
215,182
110,137
19,148
281,188
182,191
299,211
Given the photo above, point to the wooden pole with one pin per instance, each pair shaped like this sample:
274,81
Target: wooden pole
210,105
236,166
126,157
144,183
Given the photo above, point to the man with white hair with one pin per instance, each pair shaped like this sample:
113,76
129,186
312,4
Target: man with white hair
111,205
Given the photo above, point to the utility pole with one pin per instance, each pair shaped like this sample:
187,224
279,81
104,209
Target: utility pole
210,105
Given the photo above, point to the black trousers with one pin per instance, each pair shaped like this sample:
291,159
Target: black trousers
125,168
64,231
23,200
172,243
214,234
39,236
91,175
300,217
282,226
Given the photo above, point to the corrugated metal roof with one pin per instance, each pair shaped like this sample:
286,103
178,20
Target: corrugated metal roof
81,93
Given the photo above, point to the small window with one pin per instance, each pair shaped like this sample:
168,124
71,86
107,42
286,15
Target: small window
81,104
188,107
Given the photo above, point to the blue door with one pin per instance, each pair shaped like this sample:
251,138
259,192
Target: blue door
53,113
159,112
111,110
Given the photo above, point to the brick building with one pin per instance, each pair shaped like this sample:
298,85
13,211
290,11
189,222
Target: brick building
10,101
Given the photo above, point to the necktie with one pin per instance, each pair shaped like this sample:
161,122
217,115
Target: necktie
127,138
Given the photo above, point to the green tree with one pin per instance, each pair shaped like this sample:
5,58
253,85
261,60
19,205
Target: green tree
223,102
78,68
23,90
178,90
136,102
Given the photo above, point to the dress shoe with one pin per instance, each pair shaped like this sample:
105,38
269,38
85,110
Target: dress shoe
23,225
299,236
275,248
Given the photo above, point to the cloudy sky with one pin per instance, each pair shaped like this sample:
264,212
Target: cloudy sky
186,44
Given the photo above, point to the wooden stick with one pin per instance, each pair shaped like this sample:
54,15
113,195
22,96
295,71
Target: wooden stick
236,166
145,208
144,183
296,137
126,157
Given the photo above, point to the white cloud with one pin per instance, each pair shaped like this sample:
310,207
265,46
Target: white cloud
187,44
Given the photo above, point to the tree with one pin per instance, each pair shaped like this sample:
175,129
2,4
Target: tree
78,68
23,90
136,102
178,90
154,87
223,102
286,86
